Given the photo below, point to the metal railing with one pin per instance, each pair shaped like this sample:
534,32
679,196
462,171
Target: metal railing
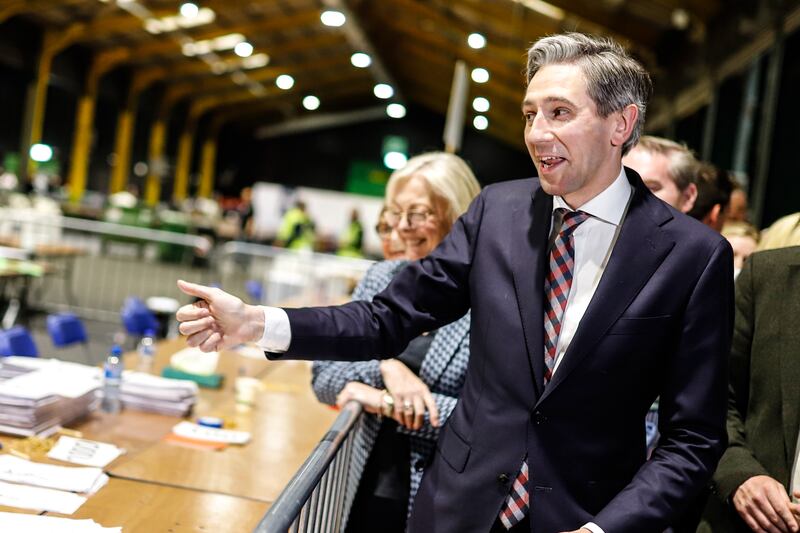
317,499
94,266
289,276
91,266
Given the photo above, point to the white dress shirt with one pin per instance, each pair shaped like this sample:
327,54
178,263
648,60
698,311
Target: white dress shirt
593,240
593,243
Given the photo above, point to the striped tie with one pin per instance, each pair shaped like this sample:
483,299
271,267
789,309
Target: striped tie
556,291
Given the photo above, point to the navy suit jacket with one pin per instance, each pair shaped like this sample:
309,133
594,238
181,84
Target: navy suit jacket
660,323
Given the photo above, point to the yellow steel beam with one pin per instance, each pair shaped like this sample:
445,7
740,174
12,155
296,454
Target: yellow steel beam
208,161
123,143
183,165
156,163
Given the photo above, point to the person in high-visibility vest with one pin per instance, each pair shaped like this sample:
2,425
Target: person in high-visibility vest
353,238
297,229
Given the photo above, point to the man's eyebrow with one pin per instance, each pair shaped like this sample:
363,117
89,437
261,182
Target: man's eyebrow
549,100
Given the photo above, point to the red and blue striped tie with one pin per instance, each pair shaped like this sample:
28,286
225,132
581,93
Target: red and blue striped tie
556,291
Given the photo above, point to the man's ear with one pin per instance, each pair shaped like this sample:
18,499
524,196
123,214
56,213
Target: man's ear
714,218
688,198
624,123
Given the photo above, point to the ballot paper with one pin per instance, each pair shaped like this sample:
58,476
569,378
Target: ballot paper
51,524
146,392
48,394
84,452
72,478
197,432
39,499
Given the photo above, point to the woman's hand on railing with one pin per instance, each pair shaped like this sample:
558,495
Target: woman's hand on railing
411,396
370,398
218,320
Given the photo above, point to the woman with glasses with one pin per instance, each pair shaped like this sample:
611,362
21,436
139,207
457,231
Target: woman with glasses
392,247
405,399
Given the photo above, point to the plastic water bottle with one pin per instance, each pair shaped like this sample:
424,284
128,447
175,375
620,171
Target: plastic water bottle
112,379
146,352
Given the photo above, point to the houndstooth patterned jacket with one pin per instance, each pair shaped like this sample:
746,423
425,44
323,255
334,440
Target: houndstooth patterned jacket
442,370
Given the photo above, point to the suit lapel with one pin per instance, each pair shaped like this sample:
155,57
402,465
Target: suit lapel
531,224
790,365
443,348
640,249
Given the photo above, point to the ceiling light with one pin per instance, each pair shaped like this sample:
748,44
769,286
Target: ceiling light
383,91
395,160
360,60
680,19
543,8
480,75
480,104
41,153
311,102
243,49
396,110
285,82
225,42
189,10
333,18
480,122
255,61
476,40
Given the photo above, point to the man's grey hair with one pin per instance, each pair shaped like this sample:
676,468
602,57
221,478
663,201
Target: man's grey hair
614,79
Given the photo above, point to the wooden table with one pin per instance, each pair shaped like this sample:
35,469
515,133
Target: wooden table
146,507
158,486
285,424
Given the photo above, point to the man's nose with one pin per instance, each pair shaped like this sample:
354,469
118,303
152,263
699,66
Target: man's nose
539,130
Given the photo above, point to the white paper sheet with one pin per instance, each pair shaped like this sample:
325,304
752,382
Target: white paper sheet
39,499
51,524
84,452
71,478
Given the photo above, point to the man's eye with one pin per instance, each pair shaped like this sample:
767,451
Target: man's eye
561,112
529,116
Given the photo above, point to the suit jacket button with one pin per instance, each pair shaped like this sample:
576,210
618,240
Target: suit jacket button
503,478
539,418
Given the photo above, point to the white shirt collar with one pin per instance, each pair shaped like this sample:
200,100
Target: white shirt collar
609,205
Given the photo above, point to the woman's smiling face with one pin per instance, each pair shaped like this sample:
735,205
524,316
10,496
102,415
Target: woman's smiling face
427,228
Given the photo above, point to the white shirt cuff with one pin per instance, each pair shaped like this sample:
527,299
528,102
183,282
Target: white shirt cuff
594,528
277,334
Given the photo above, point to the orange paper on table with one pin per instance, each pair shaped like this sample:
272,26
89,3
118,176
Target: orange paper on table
172,438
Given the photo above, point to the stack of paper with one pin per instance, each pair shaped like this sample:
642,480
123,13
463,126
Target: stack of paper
52,394
51,524
146,392
46,487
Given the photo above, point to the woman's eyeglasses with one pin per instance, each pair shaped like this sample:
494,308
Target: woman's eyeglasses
414,217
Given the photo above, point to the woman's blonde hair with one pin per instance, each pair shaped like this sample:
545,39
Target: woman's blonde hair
738,228
782,233
450,181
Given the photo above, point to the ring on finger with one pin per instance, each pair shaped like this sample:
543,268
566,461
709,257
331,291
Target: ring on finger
408,407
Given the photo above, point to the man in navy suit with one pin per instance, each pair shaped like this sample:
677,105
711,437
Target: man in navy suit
632,298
